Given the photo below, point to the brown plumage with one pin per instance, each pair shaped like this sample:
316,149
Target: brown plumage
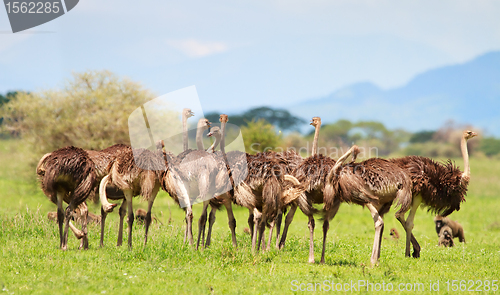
68,175
375,183
440,187
135,172
289,160
311,173
439,184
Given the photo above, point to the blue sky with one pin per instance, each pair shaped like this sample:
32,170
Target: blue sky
248,53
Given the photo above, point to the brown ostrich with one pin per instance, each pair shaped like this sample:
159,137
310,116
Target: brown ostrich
311,173
374,183
101,160
135,172
231,173
441,187
257,181
68,175
289,160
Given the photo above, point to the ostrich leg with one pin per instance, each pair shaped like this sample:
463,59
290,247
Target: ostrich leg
256,221
270,238
201,224
251,223
231,221
311,225
408,226
288,220
128,197
278,228
67,217
84,212
148,215
379,228
211,221
326,226
104,214
122,212
60,216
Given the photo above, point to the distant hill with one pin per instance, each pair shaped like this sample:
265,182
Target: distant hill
467,93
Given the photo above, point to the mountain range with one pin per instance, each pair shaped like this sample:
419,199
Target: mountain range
467,93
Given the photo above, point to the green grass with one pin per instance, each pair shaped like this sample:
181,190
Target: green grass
32,263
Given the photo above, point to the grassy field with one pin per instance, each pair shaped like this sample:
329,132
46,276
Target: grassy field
32,263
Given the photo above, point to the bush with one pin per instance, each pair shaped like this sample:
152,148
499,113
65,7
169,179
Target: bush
91,112
490,146
260,136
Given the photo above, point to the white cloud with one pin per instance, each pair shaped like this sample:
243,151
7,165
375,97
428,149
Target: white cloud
195,48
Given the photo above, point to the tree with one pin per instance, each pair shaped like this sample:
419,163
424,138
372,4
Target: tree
5,99
422,136
280,118
90,112
260,136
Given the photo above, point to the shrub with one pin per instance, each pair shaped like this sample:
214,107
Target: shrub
260,136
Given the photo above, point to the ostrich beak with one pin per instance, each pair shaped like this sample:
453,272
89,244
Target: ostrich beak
191,113
210,134
474,134
311,123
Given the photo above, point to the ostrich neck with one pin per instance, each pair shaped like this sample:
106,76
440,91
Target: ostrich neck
223,137
199,139
465,155
184,132
211,149
315,140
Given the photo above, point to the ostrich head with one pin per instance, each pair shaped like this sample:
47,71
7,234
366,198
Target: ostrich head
187,113
223,118
469,134
214,131
204,123
315,121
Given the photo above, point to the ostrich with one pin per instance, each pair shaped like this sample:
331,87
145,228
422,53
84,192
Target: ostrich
257,181
134,172
101,160
374,183
290,160
67,174
194,175
439,186
312,174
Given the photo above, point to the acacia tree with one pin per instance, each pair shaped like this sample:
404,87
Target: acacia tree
90,112
260,136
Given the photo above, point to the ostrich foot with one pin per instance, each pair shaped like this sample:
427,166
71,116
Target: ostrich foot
109,207
416,254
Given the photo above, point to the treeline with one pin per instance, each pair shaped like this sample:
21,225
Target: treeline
91,112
